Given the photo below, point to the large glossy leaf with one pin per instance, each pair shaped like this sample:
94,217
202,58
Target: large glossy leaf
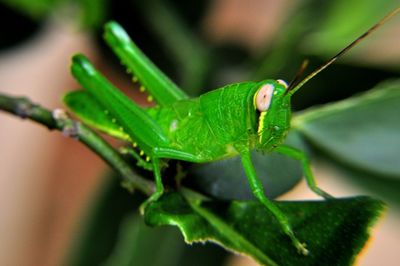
362,132
335,231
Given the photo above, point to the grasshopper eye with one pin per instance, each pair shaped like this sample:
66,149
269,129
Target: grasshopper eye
263,97
282,82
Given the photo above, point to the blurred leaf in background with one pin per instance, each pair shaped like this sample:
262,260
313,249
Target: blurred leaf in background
358,136
89,13
362,134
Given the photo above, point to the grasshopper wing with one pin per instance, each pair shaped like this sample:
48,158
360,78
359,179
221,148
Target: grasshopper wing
90,111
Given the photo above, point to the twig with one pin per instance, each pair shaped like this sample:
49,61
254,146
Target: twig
59,120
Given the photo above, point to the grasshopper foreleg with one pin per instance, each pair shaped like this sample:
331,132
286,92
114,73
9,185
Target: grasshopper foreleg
258,192
305,162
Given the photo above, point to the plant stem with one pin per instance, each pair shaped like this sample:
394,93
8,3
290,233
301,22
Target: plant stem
59,120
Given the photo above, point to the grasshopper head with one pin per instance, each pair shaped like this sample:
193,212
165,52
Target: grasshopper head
272,103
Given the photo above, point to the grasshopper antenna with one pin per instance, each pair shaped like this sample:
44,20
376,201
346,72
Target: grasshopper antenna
298,75
293,87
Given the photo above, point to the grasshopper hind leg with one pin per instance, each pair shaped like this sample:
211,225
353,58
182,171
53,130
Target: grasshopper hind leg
258,192
159,153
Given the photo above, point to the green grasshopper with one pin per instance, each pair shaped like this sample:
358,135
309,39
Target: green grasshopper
226,122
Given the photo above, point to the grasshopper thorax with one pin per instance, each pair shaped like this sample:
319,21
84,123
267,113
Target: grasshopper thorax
272,105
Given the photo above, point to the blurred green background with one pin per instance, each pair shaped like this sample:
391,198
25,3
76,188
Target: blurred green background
54,197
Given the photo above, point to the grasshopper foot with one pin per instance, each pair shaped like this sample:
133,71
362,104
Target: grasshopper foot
301,248
151,199
322,193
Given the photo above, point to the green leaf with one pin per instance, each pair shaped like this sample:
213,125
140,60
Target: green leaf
335,231
362,132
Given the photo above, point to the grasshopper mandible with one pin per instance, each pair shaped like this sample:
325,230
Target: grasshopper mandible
229,121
